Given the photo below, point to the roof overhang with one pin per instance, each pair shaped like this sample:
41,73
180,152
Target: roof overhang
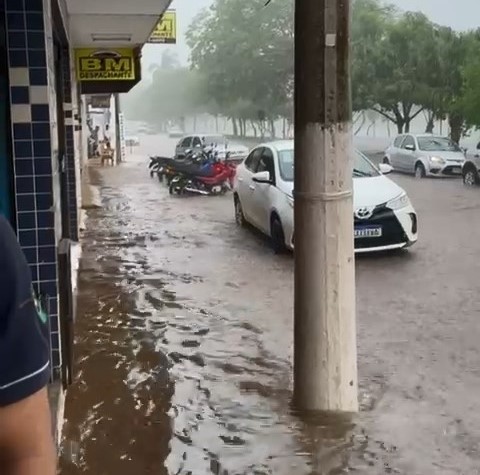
119,24
108,25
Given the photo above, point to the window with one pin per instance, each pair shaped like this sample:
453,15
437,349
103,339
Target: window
409,141
362,166
251,161
197,142
185,143
398,141
266,163
437,144
285,162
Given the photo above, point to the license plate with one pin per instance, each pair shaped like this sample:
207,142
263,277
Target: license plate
368,232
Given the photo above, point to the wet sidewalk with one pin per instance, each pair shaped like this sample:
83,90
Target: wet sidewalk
183,352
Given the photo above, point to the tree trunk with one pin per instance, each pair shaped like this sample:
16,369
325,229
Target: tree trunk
456,127
430,125
430,118
216,124
272,128
399,127
194,122
407,126
254,128
235,128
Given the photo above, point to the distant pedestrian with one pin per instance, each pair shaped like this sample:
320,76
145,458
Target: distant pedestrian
106,136
26,441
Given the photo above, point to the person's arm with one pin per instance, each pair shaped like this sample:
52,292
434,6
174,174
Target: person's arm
26,445
26,440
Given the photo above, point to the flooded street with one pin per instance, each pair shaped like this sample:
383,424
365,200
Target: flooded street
184,342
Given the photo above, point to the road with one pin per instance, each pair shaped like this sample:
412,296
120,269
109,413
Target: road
184,343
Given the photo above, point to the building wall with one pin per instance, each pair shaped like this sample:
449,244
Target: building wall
37,164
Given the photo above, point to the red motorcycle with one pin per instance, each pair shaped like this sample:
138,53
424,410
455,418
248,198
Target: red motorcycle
217,182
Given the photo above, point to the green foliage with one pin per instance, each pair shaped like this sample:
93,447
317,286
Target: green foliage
242,68
245,51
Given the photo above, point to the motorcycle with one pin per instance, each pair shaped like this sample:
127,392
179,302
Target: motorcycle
218,180
156,164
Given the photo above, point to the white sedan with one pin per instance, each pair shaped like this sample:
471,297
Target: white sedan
384,218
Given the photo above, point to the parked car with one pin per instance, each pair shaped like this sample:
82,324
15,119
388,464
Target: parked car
471,167
220,144
384,218
425,155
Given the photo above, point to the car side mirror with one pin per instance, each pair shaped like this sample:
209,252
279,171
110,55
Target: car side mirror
385,168
262,177
411,148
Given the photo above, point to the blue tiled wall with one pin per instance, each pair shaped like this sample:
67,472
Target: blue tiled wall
35,145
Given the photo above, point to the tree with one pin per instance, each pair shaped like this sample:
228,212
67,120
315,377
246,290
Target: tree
245,52
172,94
394,62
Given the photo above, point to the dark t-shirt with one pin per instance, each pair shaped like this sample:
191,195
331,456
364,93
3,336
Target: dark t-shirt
24,349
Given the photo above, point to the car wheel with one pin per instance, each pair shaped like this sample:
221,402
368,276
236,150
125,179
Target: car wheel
277,235
239,216
420,171
470,177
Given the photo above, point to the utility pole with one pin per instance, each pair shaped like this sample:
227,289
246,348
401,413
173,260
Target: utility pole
325,366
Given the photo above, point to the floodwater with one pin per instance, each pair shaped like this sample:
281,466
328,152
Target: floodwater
184,345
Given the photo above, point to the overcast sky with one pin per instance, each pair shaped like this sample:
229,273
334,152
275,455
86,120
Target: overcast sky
458,14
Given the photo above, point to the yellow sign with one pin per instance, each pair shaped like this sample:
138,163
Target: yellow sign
115,64
166,29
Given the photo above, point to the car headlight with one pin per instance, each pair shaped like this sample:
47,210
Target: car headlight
399,202
437,161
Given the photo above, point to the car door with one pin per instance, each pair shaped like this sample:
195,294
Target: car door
245,184
396,152
263,193
407,156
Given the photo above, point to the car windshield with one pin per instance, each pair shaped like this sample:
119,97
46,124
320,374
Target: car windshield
214,139
285,164
362,167
437,144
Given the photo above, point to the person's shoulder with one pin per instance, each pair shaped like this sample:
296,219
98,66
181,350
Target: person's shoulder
7,235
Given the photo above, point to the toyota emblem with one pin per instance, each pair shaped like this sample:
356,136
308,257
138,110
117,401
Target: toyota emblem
363,213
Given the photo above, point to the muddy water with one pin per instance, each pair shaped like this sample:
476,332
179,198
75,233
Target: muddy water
184,344
182,358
